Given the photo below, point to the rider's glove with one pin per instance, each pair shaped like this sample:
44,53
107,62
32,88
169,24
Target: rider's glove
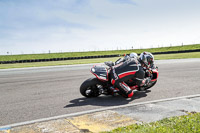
148,74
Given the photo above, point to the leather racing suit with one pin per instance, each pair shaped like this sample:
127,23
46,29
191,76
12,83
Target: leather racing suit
124,71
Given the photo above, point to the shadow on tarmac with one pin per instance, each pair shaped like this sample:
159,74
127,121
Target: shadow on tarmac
106,100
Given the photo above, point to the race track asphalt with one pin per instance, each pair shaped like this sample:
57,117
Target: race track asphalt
35,93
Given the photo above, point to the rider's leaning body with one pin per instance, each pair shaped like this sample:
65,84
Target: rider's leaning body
131,68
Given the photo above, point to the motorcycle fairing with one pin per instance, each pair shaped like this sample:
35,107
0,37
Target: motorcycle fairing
155,74
100,72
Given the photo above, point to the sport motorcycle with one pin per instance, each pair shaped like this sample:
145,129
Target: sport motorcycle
101,83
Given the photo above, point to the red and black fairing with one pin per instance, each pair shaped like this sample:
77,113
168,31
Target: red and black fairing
155,74
100,72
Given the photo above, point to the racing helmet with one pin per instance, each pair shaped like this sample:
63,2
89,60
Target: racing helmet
147,59
133,55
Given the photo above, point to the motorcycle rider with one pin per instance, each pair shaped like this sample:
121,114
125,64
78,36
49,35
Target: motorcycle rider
131,55
131,68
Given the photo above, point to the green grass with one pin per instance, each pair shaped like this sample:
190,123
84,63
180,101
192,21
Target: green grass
177,56
93,53
183,124
98,60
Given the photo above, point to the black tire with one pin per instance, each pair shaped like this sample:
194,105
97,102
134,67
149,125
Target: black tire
90,85
150,85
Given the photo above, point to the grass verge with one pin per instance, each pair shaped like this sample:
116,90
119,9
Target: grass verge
97,60
182,124
94,53
177,56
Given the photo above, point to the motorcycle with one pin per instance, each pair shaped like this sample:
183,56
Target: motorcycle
101,84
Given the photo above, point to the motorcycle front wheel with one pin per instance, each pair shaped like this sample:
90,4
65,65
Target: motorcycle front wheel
89,88
150,85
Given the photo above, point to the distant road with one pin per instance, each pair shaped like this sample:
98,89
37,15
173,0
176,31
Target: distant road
34,93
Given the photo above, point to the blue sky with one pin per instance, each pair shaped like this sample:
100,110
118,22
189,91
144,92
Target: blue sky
37,26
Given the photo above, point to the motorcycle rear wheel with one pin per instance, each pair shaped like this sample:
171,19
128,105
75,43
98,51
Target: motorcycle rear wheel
89,88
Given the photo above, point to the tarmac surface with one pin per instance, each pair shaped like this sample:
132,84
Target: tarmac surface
108,119
39,94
